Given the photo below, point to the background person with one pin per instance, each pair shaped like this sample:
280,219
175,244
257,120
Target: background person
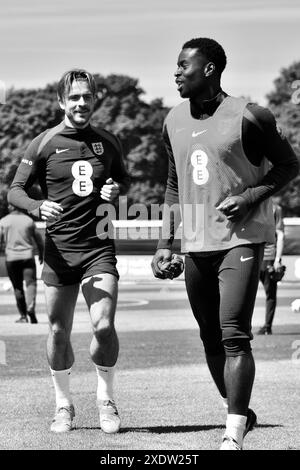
272,262
19,235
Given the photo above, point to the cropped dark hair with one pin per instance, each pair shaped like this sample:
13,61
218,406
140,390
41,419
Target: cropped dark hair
68,78
211,49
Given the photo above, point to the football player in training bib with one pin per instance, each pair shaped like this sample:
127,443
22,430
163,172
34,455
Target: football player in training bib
79,168
221,150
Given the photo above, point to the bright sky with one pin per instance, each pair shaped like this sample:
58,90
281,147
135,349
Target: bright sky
40,39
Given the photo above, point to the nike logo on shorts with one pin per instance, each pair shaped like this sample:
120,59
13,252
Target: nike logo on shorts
245,259
194,134
61,150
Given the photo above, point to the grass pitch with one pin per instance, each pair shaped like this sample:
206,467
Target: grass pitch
164,392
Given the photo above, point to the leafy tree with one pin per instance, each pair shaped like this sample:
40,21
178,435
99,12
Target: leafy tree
284,102
120,109
25,114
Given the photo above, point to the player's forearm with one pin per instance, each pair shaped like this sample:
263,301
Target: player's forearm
279,244
18,197
171,220
124,184
262,132
171,212
25,177
39,243
275,179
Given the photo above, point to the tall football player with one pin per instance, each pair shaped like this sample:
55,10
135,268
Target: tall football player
220,149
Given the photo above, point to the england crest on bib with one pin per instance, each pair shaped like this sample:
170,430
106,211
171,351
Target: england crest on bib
98,148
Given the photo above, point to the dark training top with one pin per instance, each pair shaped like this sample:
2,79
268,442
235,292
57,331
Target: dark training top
228,147
71,166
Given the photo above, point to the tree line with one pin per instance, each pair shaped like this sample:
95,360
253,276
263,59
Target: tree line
122,110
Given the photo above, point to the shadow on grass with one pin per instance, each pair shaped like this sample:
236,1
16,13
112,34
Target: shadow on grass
175,429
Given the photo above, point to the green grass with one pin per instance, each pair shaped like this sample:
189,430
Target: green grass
164,392
165,395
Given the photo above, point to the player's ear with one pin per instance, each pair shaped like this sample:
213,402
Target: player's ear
61,103
209,69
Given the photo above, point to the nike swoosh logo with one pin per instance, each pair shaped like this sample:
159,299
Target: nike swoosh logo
61,150
245,259
194,134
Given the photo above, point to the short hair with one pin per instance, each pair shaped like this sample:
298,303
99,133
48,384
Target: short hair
68,78
211,49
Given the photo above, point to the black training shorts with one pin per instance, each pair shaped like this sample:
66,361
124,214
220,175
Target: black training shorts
63,268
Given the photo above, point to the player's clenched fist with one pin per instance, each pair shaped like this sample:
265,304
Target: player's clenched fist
162,255
173,268
167,266
50,211
110,190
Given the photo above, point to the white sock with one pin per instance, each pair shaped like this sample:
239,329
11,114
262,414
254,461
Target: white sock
105,382
235,427
225,403
61,381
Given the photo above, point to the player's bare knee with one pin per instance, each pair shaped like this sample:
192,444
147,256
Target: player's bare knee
103,329
59,335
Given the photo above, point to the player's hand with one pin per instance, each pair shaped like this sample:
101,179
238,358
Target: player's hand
50,211
277,263
174,268
162,256
110,190
233,207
